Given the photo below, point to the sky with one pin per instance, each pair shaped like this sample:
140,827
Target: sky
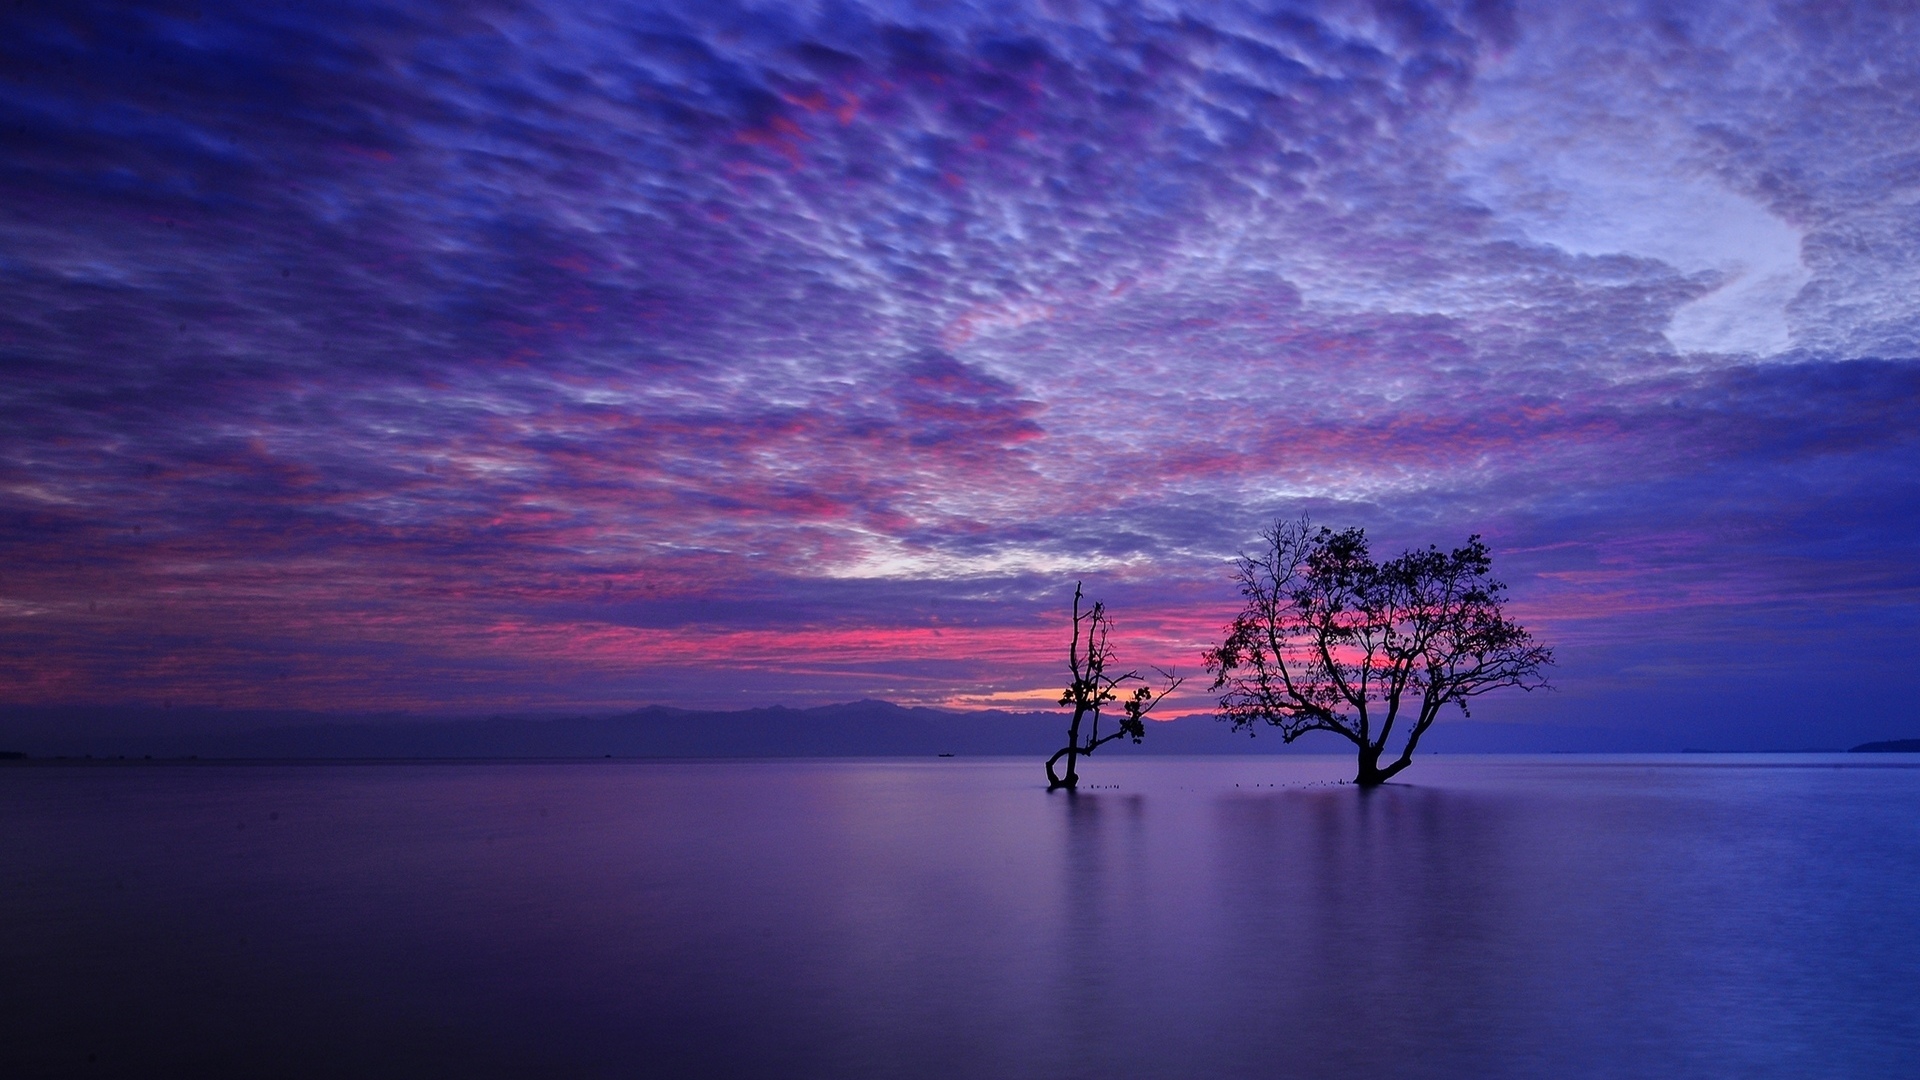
561,356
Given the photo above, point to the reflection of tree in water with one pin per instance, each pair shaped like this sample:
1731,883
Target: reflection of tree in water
1102,892
1376,931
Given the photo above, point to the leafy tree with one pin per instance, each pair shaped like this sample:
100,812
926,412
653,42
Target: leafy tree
1093,688
1330,640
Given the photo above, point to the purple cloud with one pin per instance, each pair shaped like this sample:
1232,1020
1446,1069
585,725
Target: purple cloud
460,356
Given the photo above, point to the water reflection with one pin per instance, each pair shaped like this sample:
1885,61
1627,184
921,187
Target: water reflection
1371,922
1103,895
1219,918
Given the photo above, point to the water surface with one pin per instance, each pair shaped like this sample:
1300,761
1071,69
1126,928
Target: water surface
1568,917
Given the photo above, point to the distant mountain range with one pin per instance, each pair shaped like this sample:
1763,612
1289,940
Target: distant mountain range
855,729
1890,746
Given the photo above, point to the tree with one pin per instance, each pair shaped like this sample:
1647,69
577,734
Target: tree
1330,640
1092,689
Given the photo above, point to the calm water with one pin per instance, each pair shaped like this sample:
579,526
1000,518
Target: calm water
1567,917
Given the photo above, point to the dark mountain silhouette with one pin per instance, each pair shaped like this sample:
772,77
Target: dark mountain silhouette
855,729
1889,746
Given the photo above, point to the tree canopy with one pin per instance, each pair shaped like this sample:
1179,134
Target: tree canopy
1330,640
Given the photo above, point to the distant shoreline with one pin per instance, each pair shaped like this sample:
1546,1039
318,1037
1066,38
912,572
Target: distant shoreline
859,729
1888,746
1687,758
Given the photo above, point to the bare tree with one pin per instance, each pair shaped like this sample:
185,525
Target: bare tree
1093,688
1330,640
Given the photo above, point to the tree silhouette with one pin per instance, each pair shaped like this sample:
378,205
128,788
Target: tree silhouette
1330,640
1093,688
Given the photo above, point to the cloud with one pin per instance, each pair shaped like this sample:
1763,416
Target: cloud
450,355
1617,165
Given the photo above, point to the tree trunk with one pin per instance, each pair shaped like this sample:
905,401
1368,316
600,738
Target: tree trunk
1070,781
1369,774
1055,780
1072,751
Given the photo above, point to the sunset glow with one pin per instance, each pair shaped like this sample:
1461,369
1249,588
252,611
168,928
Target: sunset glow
461,358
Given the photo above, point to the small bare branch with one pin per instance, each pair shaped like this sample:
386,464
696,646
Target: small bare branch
1092,688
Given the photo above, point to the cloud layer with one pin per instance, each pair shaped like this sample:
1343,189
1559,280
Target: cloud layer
467,356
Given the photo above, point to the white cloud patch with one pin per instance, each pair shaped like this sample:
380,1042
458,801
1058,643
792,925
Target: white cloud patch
1603,196
1599,160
